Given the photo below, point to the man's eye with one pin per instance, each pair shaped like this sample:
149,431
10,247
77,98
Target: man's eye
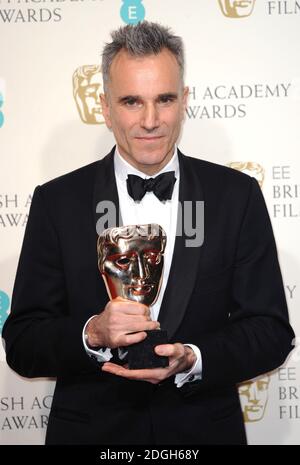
166,99
131,102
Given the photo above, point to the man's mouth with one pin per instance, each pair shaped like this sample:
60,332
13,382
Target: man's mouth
149,139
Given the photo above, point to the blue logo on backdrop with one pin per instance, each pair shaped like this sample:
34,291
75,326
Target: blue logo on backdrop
1,113
132,11
4,306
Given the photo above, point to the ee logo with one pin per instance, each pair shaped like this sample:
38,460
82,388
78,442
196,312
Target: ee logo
132,11
4,306
1,113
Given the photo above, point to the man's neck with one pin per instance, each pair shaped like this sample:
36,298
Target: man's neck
149,170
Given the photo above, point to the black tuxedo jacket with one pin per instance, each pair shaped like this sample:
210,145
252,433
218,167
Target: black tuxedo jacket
226,297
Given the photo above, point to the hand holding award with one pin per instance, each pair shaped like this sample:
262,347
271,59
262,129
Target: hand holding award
131,260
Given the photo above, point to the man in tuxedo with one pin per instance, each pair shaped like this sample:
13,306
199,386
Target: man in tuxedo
221,302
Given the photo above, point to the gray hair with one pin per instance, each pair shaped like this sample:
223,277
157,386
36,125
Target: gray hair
142,39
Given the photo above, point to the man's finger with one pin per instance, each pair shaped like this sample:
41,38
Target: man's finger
151,373
129,307
134,327
168,350
134,338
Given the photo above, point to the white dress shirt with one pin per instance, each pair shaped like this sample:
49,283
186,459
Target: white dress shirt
151,210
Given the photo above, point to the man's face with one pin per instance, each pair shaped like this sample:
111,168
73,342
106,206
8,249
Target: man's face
254,397
133,269
144,106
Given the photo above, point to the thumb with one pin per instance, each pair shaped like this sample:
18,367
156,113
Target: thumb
164,349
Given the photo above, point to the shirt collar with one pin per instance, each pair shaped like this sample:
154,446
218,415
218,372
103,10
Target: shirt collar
123,168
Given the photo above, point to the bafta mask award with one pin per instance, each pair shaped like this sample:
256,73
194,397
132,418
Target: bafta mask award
131,260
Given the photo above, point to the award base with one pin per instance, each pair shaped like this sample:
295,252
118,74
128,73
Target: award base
142,355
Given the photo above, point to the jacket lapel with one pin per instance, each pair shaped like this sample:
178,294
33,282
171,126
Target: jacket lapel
185,260
106,195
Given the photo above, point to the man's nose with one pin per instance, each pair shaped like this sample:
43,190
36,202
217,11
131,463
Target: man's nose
150,119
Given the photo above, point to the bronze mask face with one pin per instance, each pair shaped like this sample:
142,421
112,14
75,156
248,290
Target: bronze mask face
131,261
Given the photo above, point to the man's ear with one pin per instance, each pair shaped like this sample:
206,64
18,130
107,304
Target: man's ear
105,109
185,96
186,91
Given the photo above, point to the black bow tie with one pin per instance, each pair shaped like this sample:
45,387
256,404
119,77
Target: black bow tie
162,186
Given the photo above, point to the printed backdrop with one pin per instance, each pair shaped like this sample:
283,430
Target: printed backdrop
243,69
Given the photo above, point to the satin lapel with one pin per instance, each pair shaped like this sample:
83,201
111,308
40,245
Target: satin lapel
185,260
105,189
